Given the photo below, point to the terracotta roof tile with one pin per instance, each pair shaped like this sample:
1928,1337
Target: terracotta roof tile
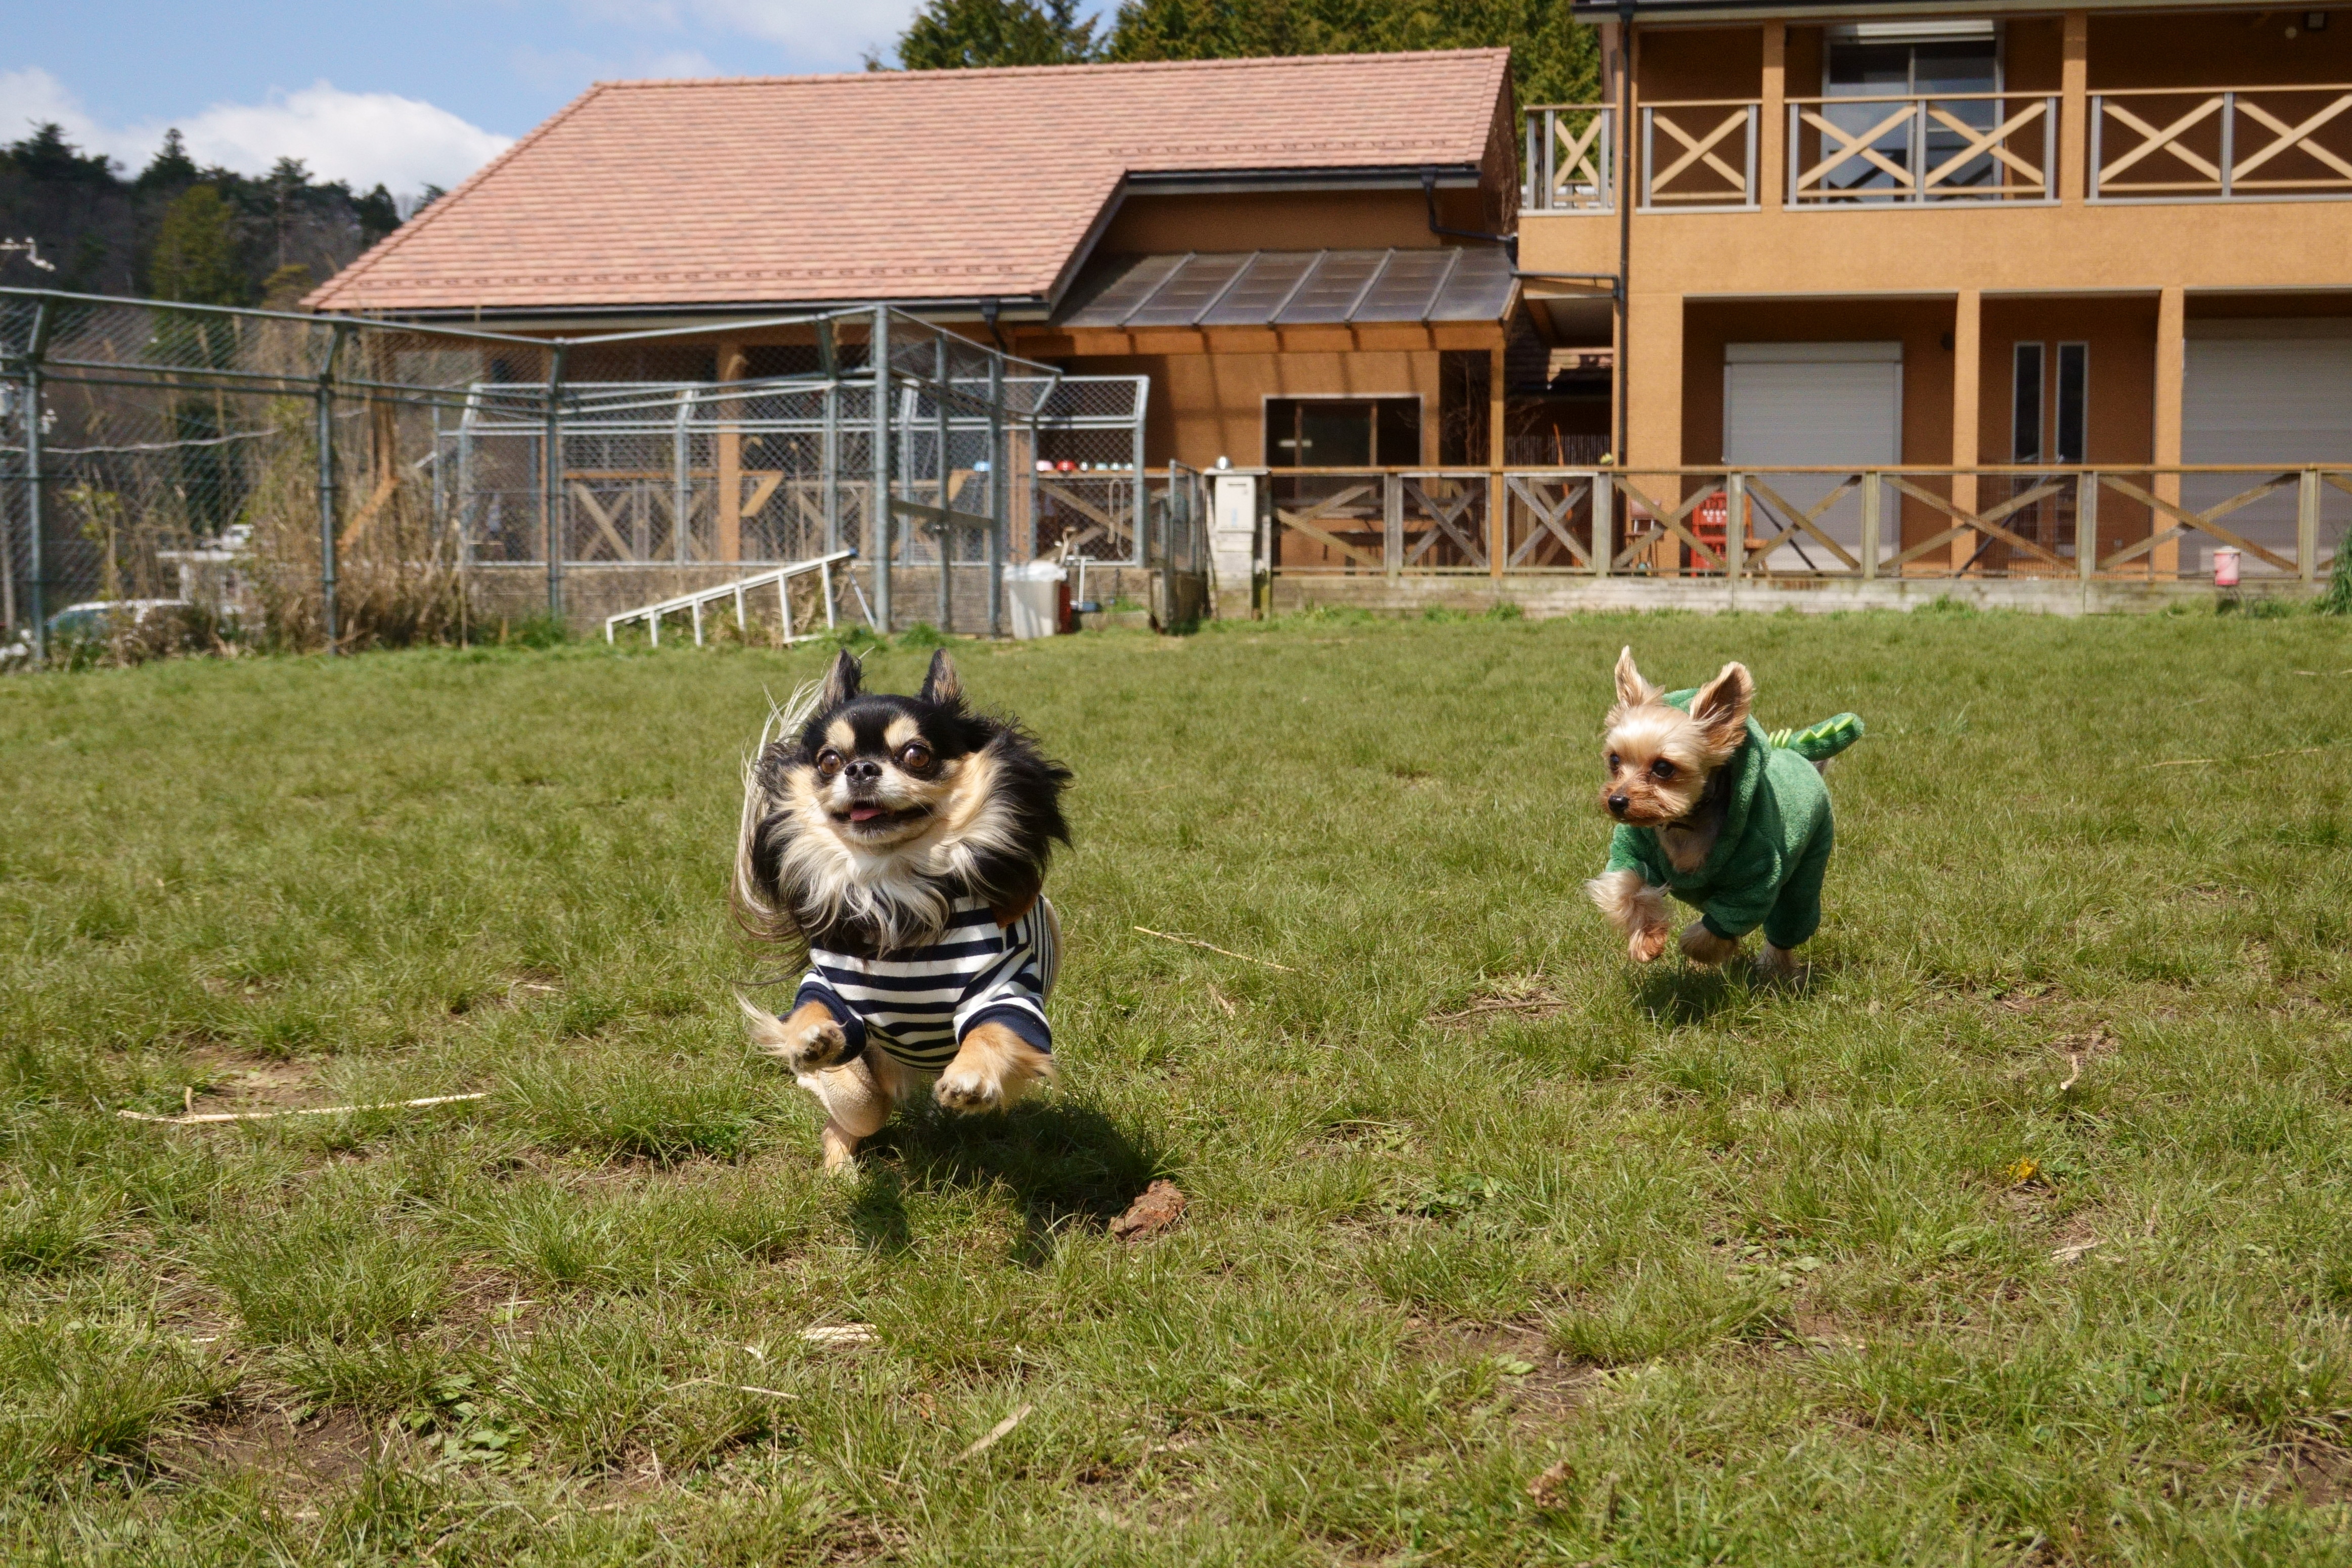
900,184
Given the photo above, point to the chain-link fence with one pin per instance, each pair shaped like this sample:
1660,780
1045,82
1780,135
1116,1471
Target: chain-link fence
310,481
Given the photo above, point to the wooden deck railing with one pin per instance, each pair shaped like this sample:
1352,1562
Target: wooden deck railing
2222,143
1699,153
1571,158
1904,521
1959,147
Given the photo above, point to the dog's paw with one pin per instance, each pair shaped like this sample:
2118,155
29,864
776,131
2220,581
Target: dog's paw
968,1093
1647,942
1701,946
1778,964
812,1048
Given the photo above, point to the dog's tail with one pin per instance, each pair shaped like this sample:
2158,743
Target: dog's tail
1816,743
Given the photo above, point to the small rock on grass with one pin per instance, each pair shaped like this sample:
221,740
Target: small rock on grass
1159,1208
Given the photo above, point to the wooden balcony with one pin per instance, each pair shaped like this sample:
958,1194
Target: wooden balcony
2222,144
2144,145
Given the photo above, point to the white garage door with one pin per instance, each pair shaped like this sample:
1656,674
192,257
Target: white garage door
1799,404
2271,391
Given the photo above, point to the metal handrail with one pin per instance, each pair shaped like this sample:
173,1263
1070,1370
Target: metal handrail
693,603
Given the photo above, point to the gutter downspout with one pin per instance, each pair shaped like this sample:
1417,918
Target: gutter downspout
1510,243
1624,220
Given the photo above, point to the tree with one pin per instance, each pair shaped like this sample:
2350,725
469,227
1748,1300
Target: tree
378,214
1553,58
957,34
195,260
170,170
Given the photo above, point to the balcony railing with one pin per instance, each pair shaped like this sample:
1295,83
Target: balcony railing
2222,144
1571,158
1700,153
2134,522
2153,145
1961,147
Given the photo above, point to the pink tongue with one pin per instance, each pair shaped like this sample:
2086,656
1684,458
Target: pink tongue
864,814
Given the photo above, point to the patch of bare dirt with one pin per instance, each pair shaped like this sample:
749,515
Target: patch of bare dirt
1541,1384
2318,1474
312,1454
238,1082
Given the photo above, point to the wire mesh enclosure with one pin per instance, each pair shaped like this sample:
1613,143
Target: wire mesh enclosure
320,481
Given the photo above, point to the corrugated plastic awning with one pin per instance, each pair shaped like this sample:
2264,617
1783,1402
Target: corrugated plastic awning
1290,288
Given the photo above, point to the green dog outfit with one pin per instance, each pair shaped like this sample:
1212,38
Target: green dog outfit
1773,847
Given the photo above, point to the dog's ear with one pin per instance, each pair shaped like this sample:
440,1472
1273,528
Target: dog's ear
1721,708
1631,689
942,683
840,683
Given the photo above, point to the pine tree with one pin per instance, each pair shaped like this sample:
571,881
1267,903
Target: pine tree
957,34
170,169
195,260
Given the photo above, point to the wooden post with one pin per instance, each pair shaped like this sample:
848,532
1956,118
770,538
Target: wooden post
1967,357
1604,521
1497,507
2086,530
1871,497
1735,529
1772,130
2306,525
731,360
2073,107
2170,357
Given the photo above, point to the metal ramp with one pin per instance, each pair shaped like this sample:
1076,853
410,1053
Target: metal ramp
779,577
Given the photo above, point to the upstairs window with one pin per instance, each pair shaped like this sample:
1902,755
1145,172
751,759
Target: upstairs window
1947,61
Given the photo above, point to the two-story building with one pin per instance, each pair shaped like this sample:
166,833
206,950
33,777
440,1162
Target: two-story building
2111,238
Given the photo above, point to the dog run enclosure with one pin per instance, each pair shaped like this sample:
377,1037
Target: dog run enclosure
352,480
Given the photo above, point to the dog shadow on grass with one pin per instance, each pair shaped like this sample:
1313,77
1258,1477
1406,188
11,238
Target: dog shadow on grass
1686,994
1068,1166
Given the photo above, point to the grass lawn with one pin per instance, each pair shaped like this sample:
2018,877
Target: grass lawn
2022,1232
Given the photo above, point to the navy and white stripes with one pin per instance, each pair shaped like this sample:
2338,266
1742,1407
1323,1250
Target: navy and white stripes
917,1005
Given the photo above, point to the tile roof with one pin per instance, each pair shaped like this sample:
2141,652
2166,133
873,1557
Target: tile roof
1290,288
905,185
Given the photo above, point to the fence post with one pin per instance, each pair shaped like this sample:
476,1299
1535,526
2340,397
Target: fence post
1735,529
2306,526
879,507
552,503
36,484
1870,499
329,616
1142,491
998,490
681,477
828,361
2086,528
1604,521
1393,524
945,471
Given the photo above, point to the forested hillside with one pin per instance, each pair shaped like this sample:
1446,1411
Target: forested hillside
1553,57
176,231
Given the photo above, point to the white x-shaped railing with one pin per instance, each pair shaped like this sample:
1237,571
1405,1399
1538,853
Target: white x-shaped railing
2196,151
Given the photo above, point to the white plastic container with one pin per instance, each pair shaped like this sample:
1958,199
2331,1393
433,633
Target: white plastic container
2225,567
1033,598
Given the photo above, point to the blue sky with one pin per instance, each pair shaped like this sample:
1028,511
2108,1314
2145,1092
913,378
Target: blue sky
421,91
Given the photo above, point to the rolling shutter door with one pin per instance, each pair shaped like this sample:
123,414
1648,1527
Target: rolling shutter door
1798,404
2260,398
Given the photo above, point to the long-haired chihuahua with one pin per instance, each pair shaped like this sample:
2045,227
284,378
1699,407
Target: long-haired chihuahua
903,842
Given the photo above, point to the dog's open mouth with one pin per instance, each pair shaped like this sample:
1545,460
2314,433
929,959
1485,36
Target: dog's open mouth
865,817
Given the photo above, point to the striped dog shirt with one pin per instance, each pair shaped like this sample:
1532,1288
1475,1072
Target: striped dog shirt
917,1005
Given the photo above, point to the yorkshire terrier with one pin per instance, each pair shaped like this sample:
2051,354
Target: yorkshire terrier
1713,811
903,842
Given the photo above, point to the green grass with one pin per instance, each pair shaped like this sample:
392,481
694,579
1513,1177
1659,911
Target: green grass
1795,1275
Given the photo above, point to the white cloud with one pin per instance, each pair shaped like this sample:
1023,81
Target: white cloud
365,138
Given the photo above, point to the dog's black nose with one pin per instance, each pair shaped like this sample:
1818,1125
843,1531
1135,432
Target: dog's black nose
1617,803
865,770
